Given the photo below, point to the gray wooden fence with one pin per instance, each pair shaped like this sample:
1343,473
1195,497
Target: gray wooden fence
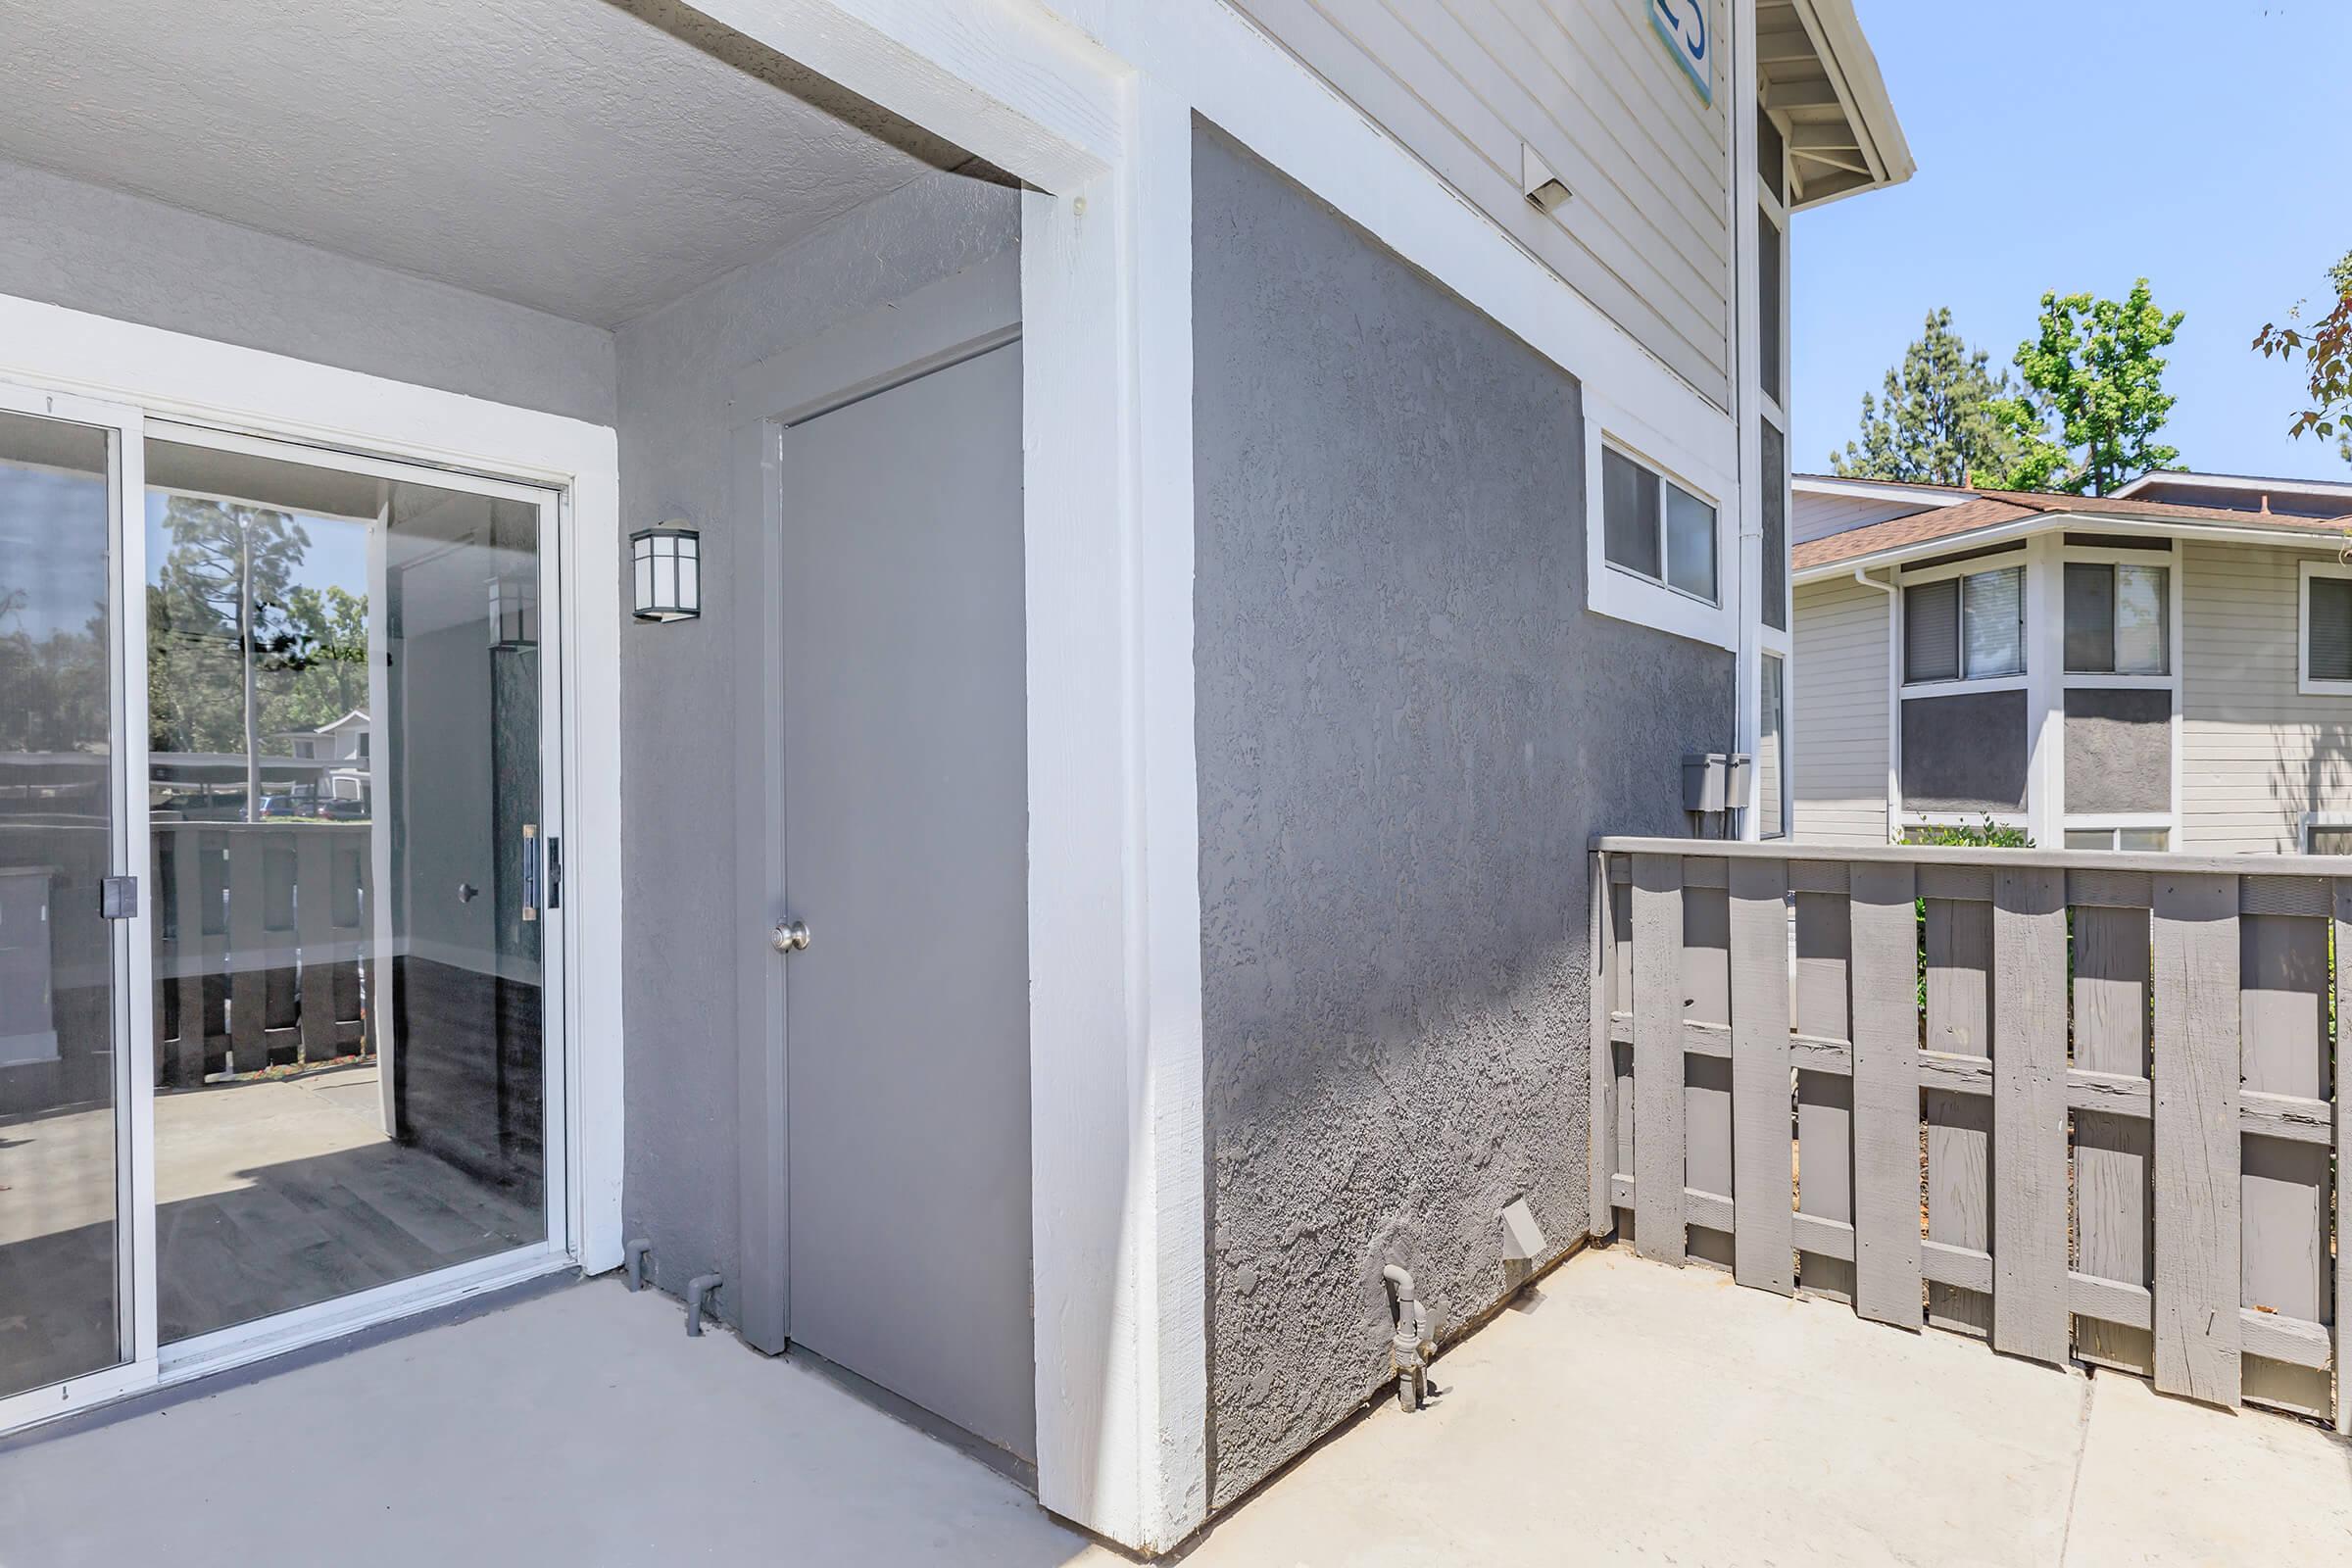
259,937
2078,1104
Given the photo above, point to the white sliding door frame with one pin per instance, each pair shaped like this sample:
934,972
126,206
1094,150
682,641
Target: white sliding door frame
143,382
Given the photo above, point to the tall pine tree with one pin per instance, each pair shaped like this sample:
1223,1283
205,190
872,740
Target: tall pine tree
1937,424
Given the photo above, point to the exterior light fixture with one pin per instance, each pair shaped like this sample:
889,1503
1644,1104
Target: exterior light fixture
513,611
666,566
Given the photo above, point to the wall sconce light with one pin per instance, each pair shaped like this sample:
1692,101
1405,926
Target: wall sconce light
514,613
666,565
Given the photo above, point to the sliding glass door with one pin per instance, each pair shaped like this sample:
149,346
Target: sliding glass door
67,1200
279,893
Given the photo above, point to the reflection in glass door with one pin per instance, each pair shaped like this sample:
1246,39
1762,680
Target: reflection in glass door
352,1063
64,1306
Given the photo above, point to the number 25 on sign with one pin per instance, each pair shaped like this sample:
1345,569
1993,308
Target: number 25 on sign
1682,24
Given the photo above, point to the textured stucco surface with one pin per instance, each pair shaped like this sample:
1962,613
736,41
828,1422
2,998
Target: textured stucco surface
91,247
1407,729
679,683
592,157
1965,752
2119,751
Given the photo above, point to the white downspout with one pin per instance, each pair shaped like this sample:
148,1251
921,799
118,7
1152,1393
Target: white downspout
1894,701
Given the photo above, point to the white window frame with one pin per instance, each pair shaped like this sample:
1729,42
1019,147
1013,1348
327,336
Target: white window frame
1787,801
2169,558
2112,823
1624,594
246,397
2323,822
1913,577
2305,682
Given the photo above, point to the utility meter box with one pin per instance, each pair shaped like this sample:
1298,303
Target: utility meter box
1738,781
1705,775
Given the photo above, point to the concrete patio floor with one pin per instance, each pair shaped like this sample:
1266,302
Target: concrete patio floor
1629,1413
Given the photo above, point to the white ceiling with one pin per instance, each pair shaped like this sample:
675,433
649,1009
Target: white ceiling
589,158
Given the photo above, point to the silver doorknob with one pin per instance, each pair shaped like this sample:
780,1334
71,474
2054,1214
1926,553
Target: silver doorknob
791,937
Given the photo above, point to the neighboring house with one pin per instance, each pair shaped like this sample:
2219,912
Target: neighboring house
2169,666
342,741
1092,571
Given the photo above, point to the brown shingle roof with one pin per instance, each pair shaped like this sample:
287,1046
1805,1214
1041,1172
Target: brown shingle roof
1989,508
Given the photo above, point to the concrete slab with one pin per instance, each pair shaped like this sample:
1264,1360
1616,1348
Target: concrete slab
1644,1415
2164,1481
1636,1414
579,1427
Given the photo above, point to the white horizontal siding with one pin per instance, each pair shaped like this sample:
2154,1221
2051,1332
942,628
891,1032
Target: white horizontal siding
1838,713
1647,234
2255,753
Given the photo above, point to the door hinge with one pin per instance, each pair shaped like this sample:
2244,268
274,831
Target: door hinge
117,898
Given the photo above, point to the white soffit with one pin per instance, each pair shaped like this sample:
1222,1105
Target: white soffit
591,157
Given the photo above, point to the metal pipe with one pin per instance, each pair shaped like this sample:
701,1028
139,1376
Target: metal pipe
1894,701
634,1250
698,1290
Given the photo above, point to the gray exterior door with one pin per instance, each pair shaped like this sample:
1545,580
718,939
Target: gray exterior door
907,1018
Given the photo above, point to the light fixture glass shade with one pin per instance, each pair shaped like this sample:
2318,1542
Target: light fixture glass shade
665,568
513,611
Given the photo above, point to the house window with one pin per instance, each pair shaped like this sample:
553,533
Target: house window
1965,628
1772,751
2327,835
2327,630
2119,620
1654,529
1776,525
1771,354
2118,838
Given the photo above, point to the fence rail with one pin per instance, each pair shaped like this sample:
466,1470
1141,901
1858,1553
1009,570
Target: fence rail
2078,1104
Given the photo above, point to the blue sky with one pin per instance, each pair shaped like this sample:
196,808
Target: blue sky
2076,146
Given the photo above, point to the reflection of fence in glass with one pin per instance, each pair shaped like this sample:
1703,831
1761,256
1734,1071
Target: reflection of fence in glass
291,903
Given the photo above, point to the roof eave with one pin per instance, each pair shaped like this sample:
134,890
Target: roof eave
2048,521
1852,67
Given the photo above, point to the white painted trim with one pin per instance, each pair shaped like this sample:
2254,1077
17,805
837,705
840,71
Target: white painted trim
2019,528
2085,821
1625,595
997,77
1930,498
2304,681
1913,576
2324,821
172,376
1957,688
2243,483
1118,1193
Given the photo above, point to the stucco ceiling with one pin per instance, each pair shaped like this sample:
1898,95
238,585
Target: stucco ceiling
593,157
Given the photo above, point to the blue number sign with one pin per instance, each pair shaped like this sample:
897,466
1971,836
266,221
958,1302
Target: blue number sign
1683,25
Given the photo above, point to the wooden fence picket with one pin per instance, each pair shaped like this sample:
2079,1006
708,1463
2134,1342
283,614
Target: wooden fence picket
1658,1159
1886,1073
2028,1114
2193,938
1764,1234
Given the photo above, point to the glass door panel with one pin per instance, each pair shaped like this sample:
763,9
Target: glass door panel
62,1271
352,1072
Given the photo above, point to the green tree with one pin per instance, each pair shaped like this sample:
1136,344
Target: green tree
2093,400
2327,350
1939,422
221,603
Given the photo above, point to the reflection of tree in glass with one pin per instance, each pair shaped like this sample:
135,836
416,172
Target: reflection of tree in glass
235,648
53,694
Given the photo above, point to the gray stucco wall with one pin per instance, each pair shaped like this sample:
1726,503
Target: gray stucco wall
89,248
678,682
1408,730
1966,752
2119,751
